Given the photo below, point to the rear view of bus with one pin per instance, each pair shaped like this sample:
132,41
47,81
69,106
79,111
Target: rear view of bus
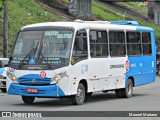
75,59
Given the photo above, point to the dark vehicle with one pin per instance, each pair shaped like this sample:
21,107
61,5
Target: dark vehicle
3,63
158,63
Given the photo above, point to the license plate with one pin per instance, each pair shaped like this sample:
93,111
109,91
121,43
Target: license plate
32,90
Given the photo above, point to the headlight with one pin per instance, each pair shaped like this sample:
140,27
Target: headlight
58,77
12,77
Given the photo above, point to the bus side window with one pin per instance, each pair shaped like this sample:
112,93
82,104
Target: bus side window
146,42
98,43
117,43
134,43
80,50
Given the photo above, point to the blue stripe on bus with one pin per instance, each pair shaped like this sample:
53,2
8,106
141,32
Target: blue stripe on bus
143,28
31,76
43,91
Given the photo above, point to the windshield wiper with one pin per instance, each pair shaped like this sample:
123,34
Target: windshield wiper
27,56
24,59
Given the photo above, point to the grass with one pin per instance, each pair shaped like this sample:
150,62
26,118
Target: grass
98,10
136,6
24,12
65,1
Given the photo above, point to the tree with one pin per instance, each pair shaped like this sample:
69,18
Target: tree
80,8
84,9
5,29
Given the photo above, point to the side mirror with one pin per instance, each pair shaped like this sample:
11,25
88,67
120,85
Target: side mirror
7,65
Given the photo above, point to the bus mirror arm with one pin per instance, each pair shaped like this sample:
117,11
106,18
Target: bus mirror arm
7,65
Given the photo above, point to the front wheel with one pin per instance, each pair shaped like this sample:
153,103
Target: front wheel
125,92
28,99
79,98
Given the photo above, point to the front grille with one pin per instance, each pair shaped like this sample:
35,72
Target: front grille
29,81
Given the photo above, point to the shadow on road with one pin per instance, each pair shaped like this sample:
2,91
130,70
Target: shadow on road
43,102
49,102
109,97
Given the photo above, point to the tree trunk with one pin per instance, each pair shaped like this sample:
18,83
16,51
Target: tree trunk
5,29
84,9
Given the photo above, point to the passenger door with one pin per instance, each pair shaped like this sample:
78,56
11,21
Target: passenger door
98,61
79,62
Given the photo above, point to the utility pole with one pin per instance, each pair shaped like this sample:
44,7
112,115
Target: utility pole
81,9
5,29
84,9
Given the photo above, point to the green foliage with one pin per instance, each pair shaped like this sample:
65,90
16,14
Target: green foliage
100,11
136,6
65,1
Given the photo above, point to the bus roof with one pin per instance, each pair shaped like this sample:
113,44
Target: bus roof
78,24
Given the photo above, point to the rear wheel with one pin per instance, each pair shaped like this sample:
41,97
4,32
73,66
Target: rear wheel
28,99
79,98
125,92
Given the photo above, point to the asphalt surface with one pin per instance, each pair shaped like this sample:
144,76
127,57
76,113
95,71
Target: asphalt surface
145,98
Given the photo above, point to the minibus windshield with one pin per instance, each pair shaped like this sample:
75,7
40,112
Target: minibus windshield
43,47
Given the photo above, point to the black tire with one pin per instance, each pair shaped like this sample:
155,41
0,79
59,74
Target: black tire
125,92
157,72
28,99
79,98
3,90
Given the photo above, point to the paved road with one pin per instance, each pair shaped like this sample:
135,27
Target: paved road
145,98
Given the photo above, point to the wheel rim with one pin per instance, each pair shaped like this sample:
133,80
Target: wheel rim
80,95
129,89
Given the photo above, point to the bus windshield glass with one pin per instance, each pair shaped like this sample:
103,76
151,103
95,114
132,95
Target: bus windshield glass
43,47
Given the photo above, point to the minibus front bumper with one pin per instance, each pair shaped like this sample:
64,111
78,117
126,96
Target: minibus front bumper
42,91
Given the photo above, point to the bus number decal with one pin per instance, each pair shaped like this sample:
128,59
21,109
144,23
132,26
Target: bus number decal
133,65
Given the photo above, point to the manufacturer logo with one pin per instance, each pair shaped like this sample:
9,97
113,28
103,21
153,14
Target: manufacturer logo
42,74
127,65
33,81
